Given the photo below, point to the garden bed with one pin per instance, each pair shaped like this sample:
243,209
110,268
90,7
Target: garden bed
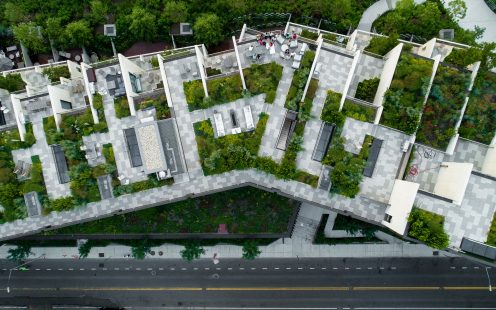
220,90
350,225
245,210
443,107
359,111
160,104
55,73
300,78
367,89
121,107
263,79
427,227
12,82
479,121
404,100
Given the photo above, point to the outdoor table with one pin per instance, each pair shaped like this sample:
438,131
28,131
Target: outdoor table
77,58
11,56
284,47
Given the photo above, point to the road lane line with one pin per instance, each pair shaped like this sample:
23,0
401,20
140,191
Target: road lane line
264,268
396,288
465,288
337,288
335,268
300,268
160,268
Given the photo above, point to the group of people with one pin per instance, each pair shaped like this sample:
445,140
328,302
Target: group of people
266,39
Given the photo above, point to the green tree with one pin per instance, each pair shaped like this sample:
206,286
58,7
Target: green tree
77,34
29,35
175,12
337,9
98,12
14,13
192,250
19,253
143,24
428,228
53,25
208,29
457,9
140,249
84,249
250,250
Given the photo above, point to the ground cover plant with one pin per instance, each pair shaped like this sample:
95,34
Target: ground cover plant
55,73
121,107
309,34
403,101
263,79
243,210
160,104
300,78
220,90
491,236
382,45
443,107
351,225
359,111
424,20
427,227
12,82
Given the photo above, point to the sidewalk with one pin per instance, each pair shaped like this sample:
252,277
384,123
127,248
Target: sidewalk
287,248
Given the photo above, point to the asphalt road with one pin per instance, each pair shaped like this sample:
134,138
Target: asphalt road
449,283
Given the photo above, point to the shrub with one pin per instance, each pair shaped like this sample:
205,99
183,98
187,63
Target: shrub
121,106
309,34
366,89
382,45
140,250
263,78
12,82
428,228
330,112
19,253
192,250
55,73
359,112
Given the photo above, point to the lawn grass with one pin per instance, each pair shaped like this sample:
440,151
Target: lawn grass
263,79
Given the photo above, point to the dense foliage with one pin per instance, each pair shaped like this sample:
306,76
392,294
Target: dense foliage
250,250
366,89
243,210
220,90
403,102
300,78
479,120
443,107
382,45
349,224
12,82
428,228
424,20
160,105
121,107
192,250
358,111
263,79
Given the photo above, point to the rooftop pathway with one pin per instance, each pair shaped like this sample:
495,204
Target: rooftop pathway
376,10
360,207
479,14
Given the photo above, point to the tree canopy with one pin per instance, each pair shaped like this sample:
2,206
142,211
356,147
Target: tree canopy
208,29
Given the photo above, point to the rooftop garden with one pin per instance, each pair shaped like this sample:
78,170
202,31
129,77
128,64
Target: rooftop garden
240,151
12,82
347,172
55,73
12,188
220,90
479,120
300,78
427,227
245,210
443,107
309,34
403,102
424,20
359,111
159,103
263,79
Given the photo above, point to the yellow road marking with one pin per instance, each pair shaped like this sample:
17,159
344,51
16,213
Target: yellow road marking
466,288
396,288
323,288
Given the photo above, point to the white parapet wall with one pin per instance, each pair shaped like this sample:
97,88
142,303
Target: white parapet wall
351,74
238,60
161,65
427,49
127,67
89,90
312,69
199,58
19,117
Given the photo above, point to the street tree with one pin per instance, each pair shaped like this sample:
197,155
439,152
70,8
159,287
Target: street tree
250,250
192,250
13,13
52,30
20,253
98,12
457,9
208,29
140,249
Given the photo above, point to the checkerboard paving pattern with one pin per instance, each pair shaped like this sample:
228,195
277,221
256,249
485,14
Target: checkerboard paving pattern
368,67
334,70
